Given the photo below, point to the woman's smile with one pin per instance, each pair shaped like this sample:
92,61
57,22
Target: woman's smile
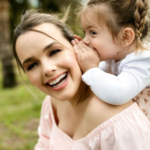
59,82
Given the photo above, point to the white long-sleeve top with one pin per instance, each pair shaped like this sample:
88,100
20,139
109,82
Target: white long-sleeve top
130,76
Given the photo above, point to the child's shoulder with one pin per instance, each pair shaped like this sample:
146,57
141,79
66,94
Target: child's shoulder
136,59
140,55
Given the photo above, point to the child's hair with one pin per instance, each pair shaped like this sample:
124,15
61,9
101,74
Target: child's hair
32,18
116,14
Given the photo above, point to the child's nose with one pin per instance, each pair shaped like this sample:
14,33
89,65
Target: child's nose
86,40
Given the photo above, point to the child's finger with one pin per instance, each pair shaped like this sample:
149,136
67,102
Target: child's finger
77,53
76,40
75,50
88,48
73,42
78,37
75,36
83,47
80,49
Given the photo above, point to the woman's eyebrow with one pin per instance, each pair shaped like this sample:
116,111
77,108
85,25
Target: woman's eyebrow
43,33
45,49
46,35
27,60
49,46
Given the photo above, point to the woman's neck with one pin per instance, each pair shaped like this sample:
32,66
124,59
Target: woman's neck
83,93
75,106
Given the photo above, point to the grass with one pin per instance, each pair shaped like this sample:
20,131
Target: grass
19,115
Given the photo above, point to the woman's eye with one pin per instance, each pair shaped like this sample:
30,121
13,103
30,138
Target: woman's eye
31,66
92,32
54,52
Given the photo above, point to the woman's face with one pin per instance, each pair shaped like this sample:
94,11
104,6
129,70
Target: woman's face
50,65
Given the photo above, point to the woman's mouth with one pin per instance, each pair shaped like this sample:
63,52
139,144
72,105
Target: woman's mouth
60,80
59,83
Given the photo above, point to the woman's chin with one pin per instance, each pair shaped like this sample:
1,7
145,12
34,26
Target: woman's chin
66,93
66,90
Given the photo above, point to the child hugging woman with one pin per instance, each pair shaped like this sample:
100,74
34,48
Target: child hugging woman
72,117
115,31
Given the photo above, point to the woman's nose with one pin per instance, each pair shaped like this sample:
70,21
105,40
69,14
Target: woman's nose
49,69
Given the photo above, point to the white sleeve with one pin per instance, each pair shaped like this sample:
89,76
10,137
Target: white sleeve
117,90
105,66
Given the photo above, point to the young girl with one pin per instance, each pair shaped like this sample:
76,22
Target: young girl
114,30
72,117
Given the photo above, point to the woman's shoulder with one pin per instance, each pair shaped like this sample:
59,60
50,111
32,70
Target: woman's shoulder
47,100
46,105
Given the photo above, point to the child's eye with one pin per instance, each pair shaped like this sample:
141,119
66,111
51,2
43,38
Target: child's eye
54,51
92,32
31,66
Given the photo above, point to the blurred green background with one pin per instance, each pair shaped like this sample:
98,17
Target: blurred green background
20,102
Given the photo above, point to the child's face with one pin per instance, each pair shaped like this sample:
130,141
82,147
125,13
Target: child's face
99,37
49,65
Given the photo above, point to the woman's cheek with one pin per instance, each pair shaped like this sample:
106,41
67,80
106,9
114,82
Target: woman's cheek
70,59
34,78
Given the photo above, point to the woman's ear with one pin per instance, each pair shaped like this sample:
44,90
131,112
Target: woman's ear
128,36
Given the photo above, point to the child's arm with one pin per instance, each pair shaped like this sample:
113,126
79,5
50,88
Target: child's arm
44,128
116,90
105,66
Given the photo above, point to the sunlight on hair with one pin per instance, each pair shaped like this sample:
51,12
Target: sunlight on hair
64,19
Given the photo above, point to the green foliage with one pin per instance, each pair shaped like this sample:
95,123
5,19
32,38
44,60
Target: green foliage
51,6
20,106
19,116
16,9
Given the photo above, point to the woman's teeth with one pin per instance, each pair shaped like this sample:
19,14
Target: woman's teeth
59,84
60,80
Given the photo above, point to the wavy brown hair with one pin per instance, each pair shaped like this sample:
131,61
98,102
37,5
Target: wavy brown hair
33,18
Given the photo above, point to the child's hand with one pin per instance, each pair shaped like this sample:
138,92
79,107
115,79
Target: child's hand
87,57
77,37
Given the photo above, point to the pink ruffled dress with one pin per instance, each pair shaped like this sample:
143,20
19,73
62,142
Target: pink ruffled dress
128,130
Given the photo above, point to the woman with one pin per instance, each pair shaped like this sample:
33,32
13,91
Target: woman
72,117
